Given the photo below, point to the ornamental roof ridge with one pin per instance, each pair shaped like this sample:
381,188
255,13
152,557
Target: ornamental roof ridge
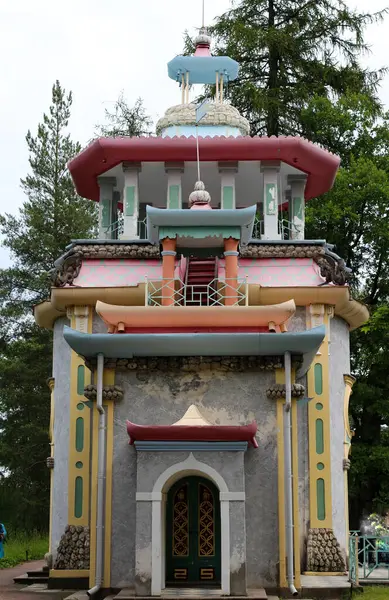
193,417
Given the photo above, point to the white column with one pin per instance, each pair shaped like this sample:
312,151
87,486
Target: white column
174,184
225,546
270,170
227,172
106,185
297,206
131,201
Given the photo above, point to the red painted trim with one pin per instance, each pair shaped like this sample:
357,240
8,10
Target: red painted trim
105,153
193,433
196,330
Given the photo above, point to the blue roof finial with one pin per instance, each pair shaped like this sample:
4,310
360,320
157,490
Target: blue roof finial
202,67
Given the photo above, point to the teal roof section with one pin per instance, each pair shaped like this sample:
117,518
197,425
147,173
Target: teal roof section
203,69
181,219
128,345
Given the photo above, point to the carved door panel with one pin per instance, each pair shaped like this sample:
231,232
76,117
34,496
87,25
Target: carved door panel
193,533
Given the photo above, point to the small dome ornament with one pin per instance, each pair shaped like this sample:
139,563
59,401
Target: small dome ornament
203,38
199,198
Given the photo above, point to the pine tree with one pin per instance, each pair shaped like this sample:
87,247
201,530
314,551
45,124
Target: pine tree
49,218
290,51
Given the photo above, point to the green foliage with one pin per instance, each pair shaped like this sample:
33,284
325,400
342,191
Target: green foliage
22,545
49,218
125,120
290,52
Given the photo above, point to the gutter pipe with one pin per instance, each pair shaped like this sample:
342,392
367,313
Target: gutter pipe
101,473
289,474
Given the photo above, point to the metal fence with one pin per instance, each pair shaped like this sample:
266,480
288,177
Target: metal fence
368,557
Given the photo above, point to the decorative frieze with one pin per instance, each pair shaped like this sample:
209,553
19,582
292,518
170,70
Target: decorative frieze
278,391
323,552
110,392
195,363
282,251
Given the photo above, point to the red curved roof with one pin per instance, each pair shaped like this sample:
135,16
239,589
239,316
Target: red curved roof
105,153
194,433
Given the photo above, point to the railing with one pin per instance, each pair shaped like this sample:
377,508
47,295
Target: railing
115,230
176,293
368,557
286,229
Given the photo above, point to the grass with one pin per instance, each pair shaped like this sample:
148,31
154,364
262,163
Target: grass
374,593
20,547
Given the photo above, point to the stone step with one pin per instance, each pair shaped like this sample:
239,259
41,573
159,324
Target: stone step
193,594
80,596
31,580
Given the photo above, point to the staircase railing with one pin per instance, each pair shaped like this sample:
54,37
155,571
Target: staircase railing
180,294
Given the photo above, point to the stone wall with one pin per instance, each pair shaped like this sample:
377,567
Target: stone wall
339,366
229,397
61,374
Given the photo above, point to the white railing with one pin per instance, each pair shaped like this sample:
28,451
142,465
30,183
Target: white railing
286,229
174,292
115,230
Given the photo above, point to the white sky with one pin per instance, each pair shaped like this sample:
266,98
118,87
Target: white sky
97,48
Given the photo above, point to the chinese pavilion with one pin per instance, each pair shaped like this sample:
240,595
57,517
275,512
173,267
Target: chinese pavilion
201,366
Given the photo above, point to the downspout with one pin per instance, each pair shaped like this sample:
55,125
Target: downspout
101,469
289,474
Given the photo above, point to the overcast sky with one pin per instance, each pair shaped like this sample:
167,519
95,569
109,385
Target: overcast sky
97,48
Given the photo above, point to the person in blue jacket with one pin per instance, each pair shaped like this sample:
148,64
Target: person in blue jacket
3,533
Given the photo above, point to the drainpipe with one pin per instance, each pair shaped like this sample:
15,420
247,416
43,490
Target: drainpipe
101,468
289,474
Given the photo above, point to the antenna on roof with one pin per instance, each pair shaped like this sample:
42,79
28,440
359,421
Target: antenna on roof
203,19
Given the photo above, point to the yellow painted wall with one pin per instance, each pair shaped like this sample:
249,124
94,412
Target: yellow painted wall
319,412
79,461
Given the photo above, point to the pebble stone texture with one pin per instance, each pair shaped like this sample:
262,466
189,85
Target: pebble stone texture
110,392
74,548
323,552
217,114
150,251
117,251
278,391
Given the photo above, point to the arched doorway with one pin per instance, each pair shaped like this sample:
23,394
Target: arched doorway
193,549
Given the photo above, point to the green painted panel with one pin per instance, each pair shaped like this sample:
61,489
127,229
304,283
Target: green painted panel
199,232
105,213
79,434
318,372
80,406
79,464
129,204
193,532
321,502
298,208
319,406
80,380
174,197
271,198
228,197
320,466
319,436
78,493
